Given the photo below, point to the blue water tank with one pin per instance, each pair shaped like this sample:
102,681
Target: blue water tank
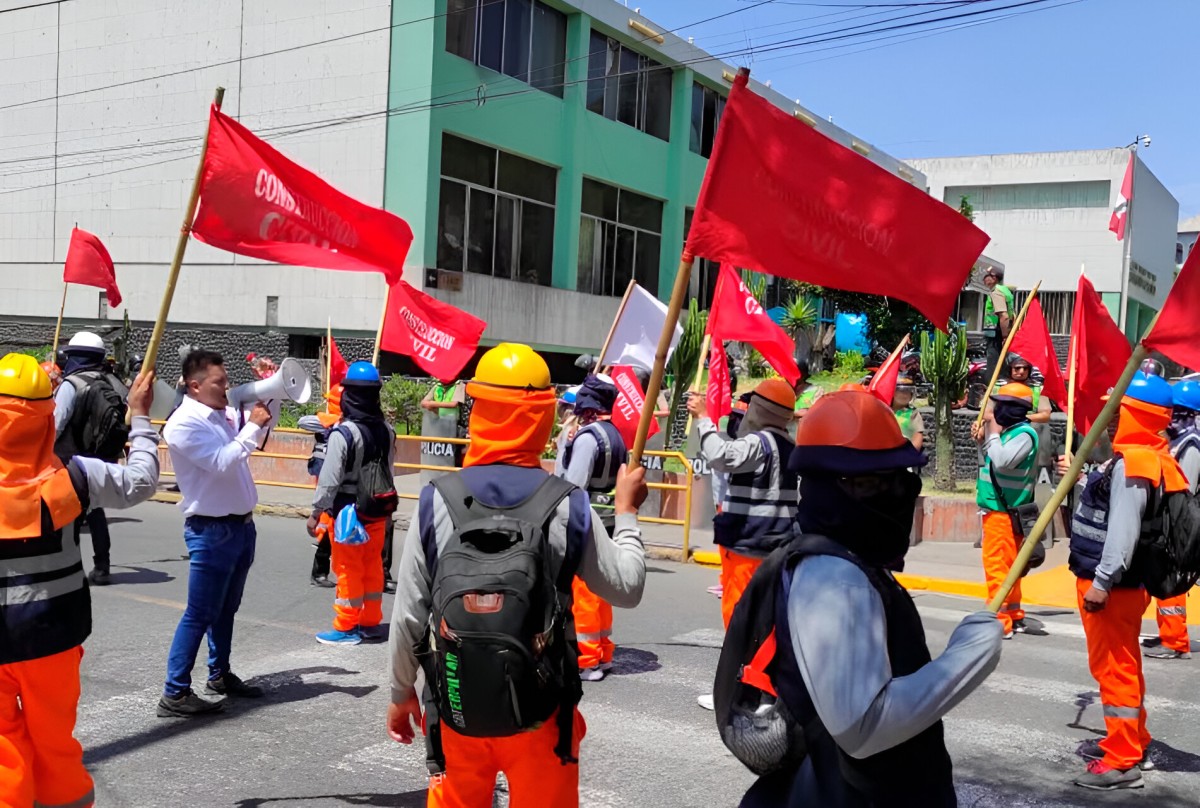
851,333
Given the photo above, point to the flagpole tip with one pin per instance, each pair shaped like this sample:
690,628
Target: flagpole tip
743,77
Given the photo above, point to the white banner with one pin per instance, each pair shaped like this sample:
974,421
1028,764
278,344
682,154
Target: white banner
638,327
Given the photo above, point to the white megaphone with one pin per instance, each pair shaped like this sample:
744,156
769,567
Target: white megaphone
291,381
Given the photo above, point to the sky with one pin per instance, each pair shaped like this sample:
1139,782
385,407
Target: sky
1069,75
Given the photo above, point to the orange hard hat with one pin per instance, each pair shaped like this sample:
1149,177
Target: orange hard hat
852,433
777,391
852,387
1015,393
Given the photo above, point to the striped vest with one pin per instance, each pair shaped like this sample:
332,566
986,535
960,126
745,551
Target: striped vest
760,506
1089,529
610,454
45,607
1016,483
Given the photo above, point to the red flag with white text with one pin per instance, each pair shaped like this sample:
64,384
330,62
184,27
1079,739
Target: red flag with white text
738,317
627,410
440,338
717,395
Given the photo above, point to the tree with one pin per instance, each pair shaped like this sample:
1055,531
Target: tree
944,365
686,359
966,208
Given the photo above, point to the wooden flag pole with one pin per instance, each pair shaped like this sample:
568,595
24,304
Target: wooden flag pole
1012,332
58,327
1073,363
379,331
683,279
613,328
328,360
185,231
699,377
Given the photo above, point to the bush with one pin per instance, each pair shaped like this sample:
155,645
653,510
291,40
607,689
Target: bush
849,362
290,412
401,400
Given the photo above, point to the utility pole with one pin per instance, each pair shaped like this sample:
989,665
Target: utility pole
1127,250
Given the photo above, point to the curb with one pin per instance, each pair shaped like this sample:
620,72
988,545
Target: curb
708,558
945,586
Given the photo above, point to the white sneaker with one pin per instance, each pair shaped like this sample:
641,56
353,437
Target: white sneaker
592,674
706,701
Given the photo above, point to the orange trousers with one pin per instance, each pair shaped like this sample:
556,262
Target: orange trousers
1115,659
736,572
40,760
1172,623
593,626
1000,548
536,777
358,599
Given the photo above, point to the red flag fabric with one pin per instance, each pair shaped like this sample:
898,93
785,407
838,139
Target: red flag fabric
88,263
883,384
780,197
337,365
1099,352
256,202
1120,214
1032,342
440,338
717,395
1175,333
737,316
627,410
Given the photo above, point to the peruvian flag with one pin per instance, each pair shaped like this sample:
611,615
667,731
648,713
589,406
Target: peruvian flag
1120,214
89,264
440,338
627,410
337,365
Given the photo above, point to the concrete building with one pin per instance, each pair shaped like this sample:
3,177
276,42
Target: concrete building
543,152
1048,215
1185,242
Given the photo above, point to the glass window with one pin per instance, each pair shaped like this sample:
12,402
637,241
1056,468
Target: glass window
460,28
696,128
658,102
597,70
599,199
452,222
526,178
625,86
1032,195
537,244
489,46
704,272
547,64
619,240
707,107
525,39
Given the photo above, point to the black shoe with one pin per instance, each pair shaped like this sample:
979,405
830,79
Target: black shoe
99,577
231,685
1090,750
187,705
323,582
1152,642
1166,653
373,634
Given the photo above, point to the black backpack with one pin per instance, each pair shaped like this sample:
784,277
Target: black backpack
98,420
316,460
377,497
1168,552
500,654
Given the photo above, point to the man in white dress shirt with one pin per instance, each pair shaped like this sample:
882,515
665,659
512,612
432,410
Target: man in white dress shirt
211,461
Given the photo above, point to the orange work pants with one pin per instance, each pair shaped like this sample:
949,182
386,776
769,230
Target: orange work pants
1172,623
593,626
536,777
358,599
1000,548
736,572
1115,660
40,760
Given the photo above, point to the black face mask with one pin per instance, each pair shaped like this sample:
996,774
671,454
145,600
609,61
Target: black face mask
873,524
1010,413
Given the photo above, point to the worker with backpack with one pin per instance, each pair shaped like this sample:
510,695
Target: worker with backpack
825,687
484,600
89,418
356,490
1129,518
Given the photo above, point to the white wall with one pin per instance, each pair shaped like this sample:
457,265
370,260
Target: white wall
1154,222
133,198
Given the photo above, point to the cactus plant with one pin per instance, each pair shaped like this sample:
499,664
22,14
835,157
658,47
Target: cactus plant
944,365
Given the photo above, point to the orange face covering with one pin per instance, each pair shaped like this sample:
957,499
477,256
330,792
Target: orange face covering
333,408
1146,450
508,425
30,474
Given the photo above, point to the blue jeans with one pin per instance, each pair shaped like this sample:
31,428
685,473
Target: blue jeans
222,553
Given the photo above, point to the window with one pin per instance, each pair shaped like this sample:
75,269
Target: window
623,85
495,213
707,107
620,234
1031,195
704,272
1179,254
305,346
525,39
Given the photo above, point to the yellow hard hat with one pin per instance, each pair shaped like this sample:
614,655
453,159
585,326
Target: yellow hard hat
511,364
22,377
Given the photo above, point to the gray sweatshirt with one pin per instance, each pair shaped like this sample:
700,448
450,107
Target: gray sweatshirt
111,485
1189,461
613,568
1126,508
335,476
730,456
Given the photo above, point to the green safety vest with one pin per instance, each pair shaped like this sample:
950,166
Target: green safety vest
991,320
1017,483
904,417
443,393
1037,398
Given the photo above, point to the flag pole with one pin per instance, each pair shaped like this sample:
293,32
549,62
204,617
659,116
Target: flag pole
613,328
328,360
58,327
1012,332
185,231
1126,251
687,429
1073,353
379,331
683,277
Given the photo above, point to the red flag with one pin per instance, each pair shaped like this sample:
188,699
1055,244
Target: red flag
738,317
1104,354
883,384
717,395
440,338
1032,342
89,263
780,197
256,202
1120,214
1175,333
337,365
627,410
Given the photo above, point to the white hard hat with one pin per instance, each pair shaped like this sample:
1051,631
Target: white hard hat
86,339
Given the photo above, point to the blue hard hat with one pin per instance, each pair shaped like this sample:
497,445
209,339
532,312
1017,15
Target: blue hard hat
361,373
1152,390
1187,394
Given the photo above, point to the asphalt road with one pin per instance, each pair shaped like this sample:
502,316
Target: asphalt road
318,737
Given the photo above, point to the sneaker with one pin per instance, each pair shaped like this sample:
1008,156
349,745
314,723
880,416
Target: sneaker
606,666
595,674
1152,642
335,637
1008,635
389,586
323,582
373,633
231,685
706,701
1090,750
1163,652
1102,777
99,577
717,590
186,705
